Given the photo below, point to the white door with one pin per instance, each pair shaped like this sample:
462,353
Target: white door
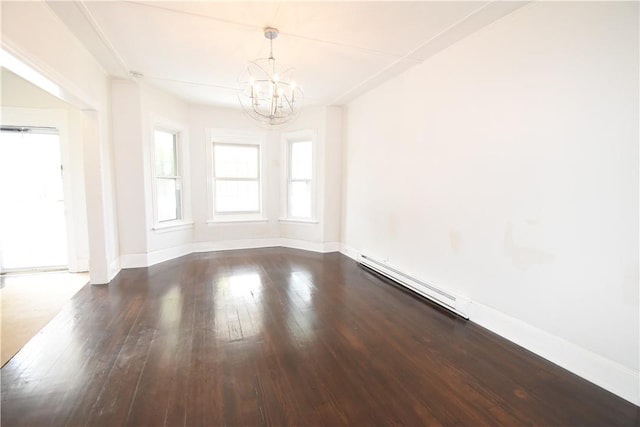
32,218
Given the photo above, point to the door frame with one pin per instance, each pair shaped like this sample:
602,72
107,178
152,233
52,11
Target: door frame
76,229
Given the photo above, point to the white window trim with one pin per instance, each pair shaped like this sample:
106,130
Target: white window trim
287,139
298,221
235,137
182,150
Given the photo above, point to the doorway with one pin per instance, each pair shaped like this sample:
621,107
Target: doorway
33,233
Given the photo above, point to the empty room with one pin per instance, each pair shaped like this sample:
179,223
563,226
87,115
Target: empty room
296,213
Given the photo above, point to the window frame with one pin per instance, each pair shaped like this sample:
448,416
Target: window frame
181,158
288,139
235,138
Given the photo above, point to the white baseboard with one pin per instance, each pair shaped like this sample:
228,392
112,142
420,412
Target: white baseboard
79,265
155,257
227,245
82,265
310,246
610,375
167,254
134,260
114,268
331,247
104,277
350,252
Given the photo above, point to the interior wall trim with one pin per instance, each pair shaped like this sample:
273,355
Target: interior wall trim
148,259
606,373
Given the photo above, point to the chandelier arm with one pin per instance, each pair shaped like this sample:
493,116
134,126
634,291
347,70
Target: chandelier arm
289,103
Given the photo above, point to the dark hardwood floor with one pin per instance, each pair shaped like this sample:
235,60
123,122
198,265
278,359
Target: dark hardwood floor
282,337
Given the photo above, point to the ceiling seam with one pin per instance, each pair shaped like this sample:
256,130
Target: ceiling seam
337,100
167,79
102,36
298,36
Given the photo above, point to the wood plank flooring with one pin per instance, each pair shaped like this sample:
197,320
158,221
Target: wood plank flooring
282,337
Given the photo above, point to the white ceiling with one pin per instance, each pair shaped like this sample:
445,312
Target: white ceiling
196,50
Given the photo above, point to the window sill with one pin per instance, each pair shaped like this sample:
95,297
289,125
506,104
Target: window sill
298,221
173,226
235,220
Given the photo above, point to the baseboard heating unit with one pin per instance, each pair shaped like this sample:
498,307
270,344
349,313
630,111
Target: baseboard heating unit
441,297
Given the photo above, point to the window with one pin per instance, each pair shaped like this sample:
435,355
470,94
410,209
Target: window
298,179
168,185
236,176
300,169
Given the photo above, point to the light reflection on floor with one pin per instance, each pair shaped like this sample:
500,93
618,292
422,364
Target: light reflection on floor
300,293
238,301
171,314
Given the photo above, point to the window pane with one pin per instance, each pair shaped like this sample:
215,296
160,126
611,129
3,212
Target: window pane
236,161
237,196
300,199
301,160
165,153
168,192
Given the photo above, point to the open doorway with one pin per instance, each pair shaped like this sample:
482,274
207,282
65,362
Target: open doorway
33,233
43,213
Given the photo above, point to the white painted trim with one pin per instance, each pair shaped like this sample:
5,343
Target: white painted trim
114,268
331,247
82,265
349,251
46,78
227,245
298,221
146,260
287,139
610,375
103,270
181,132
88,16
232,136
310,246
167,254
265,243
59,119
173,226
235,220
134,260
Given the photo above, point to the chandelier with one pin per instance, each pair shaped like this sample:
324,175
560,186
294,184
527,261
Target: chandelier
266,93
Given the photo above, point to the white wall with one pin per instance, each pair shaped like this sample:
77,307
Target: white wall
272,231
136,109
505,169
160,107
332,174
126,113
54,52
137,105
325,123
201,119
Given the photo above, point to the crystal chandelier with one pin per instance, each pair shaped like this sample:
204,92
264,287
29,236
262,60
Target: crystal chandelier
268,94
